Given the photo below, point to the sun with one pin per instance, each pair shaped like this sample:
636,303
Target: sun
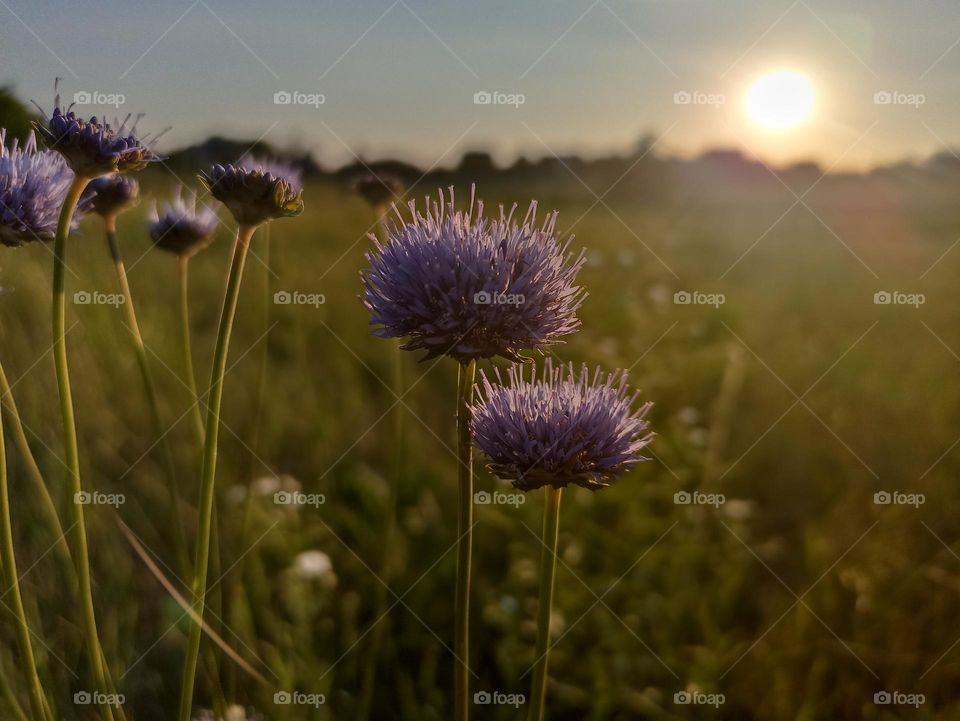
780,99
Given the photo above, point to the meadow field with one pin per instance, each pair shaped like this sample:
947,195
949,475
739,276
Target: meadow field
749,570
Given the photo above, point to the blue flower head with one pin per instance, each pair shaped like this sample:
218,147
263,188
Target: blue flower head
565,427
111,194
181,226
33,185
93,147
459,283
256,196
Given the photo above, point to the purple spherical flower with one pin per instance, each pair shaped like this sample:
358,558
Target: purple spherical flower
563,428
93,147
181,227
458,283
256,196
112,194
33,185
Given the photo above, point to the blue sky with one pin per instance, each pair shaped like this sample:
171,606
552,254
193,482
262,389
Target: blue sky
399,78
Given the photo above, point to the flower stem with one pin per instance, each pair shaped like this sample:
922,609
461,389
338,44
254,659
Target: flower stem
12,589
184,268
33,470
548,571
78,533
461,635
209,468
150,388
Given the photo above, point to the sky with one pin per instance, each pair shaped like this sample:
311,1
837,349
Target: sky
400,78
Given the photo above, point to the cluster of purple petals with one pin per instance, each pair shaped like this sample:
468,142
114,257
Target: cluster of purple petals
565,427
459,283
182,226
93,147
33,186
256,196
110,194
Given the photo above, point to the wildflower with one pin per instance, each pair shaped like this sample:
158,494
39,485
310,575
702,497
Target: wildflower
181,227
564,428
254,196
458,283
93,147
33,185
111,194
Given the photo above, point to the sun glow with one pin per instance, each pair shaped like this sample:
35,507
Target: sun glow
780,100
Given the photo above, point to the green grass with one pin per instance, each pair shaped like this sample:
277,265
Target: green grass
690,597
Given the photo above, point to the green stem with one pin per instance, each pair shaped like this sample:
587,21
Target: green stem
376,640
461,634
184,262
548,571
208,473
150,388
12,589
33,470
81,557
210,659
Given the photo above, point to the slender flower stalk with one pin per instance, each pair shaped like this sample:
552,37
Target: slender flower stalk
150,388
548,572
92,149
208,472
457,283
565,428
253,197
461,637
78,531
183,267
12,591
109,196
